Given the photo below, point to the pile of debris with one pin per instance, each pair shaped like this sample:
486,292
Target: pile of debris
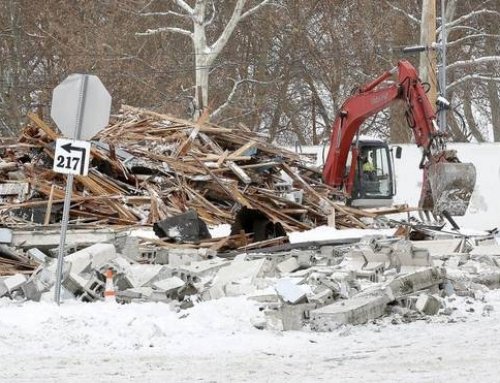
322,287
147,167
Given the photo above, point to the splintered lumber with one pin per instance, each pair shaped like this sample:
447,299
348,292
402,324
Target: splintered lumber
149,166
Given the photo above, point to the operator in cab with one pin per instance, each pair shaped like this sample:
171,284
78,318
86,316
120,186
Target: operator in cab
368,168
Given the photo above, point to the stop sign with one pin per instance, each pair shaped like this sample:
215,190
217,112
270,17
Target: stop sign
80,106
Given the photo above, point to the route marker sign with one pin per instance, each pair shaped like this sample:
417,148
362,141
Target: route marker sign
72,157
80,108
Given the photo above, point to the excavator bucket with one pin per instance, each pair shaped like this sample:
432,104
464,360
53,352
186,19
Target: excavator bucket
451,186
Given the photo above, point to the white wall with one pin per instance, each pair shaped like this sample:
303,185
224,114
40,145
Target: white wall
484,208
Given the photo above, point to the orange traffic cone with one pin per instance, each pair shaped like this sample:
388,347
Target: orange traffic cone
109,289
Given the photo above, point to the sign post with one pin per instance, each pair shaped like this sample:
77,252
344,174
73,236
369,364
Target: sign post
80,108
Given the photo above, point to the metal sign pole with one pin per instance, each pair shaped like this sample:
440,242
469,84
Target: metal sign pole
62,240
68,192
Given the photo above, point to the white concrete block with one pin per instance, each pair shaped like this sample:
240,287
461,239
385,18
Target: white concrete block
195,271
238,289
287,266
3,288
91,257
101,253
141,275
14,282
428,304
356,310
439,247
289,291
415,281
241,270
268,295
169,284
37,255
492,250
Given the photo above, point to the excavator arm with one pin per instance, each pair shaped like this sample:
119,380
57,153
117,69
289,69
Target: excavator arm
371,99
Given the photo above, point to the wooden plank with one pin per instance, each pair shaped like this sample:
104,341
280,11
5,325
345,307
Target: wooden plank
43,126
239,172
243,149
186,145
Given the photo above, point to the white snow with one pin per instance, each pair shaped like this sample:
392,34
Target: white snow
215,341
323,233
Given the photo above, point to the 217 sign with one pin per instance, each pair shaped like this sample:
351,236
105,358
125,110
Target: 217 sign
72,157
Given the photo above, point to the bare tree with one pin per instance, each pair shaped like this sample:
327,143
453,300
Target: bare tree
201,15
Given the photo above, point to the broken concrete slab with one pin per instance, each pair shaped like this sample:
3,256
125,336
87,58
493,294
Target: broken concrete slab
289,291
268,295
321,297
14,282
179,257
195,271
91,257
169,284
413,282
356,310
234,289
142,275
3,288
294,316
428,304
491,250
410,258
288,265
439,247
37,255
31,291
238,270
48,239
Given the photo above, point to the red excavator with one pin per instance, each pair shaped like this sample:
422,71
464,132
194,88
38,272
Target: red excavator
363,168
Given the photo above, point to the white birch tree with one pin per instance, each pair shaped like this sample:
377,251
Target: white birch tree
201,15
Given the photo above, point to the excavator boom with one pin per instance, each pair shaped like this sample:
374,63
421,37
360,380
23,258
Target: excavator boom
447,183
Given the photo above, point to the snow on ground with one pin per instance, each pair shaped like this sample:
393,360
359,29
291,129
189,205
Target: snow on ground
215,342
324,233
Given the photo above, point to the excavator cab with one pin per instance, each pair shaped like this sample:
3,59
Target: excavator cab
374,184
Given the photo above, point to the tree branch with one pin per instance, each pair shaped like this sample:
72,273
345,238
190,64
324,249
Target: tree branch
212,16
168,13
472,77
150,32
185,6
480,60
254,9
478,35
228,30
463,18
411,17
236,83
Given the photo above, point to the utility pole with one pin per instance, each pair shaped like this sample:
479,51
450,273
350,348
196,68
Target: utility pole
427,65
442,70
428,60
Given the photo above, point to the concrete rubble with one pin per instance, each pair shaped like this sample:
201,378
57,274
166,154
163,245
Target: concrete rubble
319,288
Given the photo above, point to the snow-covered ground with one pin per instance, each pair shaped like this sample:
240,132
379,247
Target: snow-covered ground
215,341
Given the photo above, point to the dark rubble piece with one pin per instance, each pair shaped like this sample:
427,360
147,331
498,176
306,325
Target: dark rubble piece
187,227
